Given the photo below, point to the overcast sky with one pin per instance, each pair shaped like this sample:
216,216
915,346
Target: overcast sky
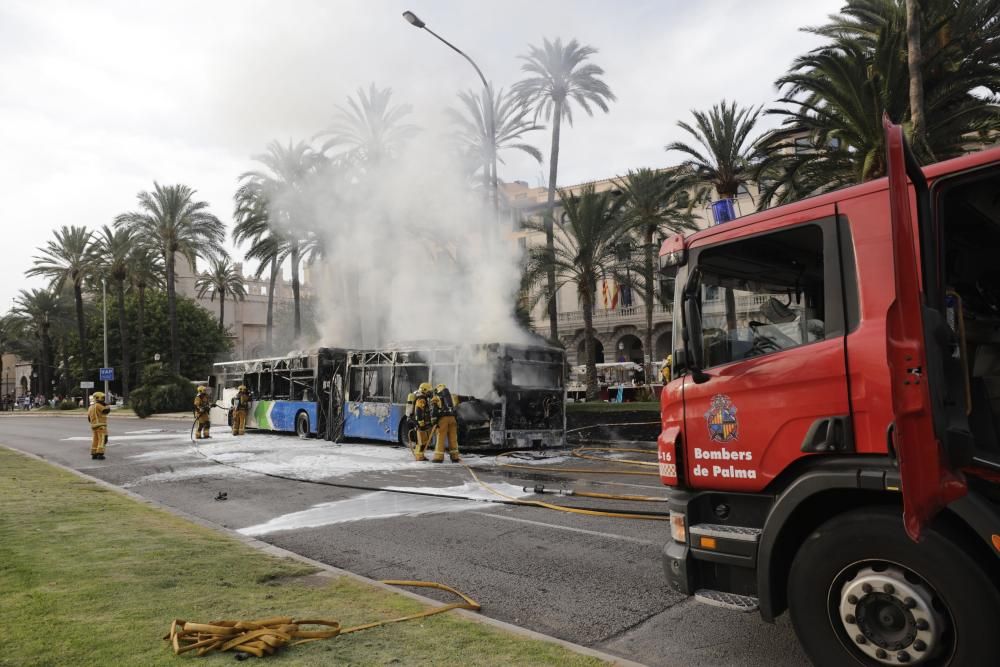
99,99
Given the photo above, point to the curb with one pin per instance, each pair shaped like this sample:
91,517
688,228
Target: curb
331,571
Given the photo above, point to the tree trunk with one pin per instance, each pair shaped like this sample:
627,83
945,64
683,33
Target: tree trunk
550,222
270,303
43,372
123,334
222,310
914,61
588,343
175,359
648,370
295,288
81,327
140,336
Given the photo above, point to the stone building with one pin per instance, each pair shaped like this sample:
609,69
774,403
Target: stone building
619,323
245,320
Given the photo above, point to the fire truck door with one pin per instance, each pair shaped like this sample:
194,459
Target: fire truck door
770,330
927,482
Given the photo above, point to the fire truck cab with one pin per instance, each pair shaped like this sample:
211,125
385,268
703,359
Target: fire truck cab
831,437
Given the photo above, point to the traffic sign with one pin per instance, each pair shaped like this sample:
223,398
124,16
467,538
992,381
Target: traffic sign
107,375
87,384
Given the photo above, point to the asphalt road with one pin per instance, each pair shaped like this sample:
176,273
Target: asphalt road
591,580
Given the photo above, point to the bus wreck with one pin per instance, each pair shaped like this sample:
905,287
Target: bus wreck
511,396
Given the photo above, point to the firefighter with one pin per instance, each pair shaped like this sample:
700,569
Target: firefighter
202,413
666,368
97,415
422,416
241,405
443,411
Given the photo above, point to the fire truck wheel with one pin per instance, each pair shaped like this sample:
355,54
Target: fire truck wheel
860,592
302,425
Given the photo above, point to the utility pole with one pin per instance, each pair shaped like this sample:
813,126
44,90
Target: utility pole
104,287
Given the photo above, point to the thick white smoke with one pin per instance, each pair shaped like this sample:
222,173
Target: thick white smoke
412,253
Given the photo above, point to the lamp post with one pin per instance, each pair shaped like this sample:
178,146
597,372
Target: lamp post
415,21
104,300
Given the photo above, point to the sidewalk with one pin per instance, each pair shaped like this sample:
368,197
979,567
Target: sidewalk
107,575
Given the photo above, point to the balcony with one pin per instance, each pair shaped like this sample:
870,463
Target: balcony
634,315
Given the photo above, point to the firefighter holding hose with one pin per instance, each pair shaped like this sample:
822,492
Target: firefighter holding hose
241,406
443,411
422,417
202,413
97,415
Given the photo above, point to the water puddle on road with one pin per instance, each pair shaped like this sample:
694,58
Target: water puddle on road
384,505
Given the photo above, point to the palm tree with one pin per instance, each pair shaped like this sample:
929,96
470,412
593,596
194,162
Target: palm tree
146,271
113,251
559,76
281,198
171,220
511,123
69,259
722,156
35,312
222,278
369,129
267,247
654,205
588,249
838,92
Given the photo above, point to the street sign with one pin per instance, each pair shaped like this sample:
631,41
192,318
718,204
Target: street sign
86,384
107,375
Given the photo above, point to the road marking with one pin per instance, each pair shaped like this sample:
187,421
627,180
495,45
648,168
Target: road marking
596,533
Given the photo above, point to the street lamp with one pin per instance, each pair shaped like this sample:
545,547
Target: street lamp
415,21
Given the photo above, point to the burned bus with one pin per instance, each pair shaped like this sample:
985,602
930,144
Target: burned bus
509,395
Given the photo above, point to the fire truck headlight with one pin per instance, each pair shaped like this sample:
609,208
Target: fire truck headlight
678,527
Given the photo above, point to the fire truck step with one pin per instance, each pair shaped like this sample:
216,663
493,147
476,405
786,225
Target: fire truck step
726,532
731,601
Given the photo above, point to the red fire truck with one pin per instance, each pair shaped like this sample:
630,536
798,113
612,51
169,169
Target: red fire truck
832,437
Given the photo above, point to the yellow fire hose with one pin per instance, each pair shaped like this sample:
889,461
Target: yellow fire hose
265,636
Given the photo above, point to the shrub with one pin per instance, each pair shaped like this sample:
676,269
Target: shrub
68,405
161,392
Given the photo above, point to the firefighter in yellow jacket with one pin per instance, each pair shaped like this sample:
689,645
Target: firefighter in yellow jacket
241,406
422,416
202,413
97,415
443,413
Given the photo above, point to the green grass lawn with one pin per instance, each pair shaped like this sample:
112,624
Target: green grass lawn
601,406
90,577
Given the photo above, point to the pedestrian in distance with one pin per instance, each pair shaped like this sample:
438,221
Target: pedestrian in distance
443,414
241,406
203,414
97,415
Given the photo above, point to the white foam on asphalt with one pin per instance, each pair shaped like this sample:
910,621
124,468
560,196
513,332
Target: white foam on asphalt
189,472
114,437
383,505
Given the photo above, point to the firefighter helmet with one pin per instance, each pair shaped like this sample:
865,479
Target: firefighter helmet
99,396
202,390
425,387
440,387
241,388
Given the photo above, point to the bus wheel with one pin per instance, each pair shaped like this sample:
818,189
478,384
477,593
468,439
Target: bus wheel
860,592
401,434
302,425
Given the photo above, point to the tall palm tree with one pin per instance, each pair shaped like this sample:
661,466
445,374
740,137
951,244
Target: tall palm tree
511,123
69,259
113,251
559,76
838,92
654,205
284,199
36,311
171,220
723,152
588,249
267,247
369,129
146,270
222,278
